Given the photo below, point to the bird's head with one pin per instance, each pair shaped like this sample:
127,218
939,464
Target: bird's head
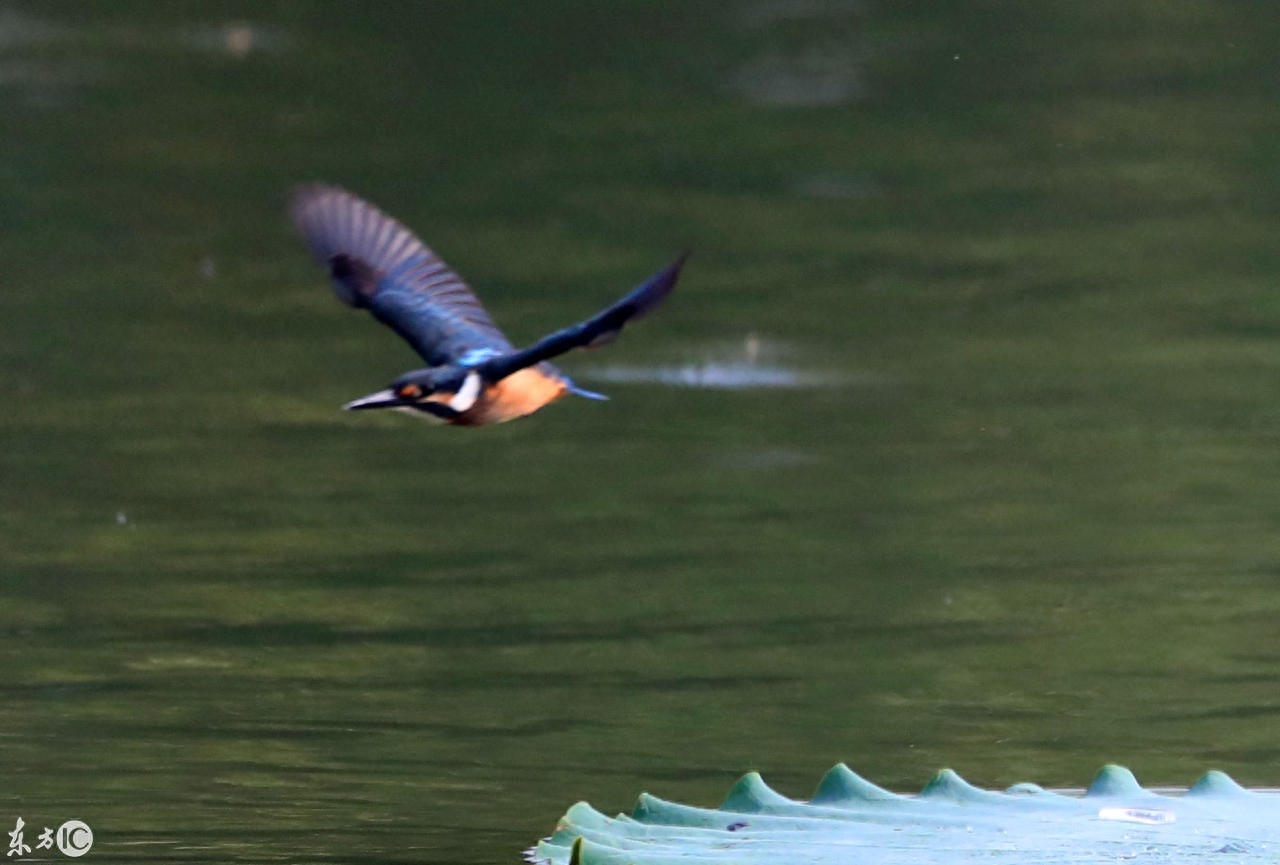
439,393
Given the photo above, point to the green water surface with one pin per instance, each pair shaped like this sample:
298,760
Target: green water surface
1021,519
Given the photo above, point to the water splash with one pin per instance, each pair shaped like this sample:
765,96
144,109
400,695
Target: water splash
747,365
713,375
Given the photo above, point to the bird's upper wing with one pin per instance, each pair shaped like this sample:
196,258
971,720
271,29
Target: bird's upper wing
378,264
601,329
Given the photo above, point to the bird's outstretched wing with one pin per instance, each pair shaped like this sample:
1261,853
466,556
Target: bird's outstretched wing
601,329
379,265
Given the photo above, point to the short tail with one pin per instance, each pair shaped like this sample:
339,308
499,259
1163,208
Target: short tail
583,392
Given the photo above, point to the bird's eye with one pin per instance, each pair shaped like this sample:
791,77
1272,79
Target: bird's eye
409,391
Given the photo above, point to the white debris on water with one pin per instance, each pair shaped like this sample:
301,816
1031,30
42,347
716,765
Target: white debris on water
748,364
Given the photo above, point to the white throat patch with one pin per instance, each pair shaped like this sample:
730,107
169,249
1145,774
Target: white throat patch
467,395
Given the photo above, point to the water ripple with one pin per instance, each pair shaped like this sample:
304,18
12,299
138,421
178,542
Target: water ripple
752,363
714,375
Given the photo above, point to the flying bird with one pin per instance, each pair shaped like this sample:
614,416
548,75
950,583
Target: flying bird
474,375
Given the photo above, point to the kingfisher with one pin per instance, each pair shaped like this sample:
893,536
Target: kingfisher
474,375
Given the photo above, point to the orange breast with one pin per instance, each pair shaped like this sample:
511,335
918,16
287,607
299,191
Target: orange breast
515,396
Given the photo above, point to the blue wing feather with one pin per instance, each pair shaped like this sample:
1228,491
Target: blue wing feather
378,264
601,329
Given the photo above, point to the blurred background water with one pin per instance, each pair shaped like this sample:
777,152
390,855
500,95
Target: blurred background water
957,445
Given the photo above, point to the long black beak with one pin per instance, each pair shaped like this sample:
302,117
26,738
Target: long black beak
381,399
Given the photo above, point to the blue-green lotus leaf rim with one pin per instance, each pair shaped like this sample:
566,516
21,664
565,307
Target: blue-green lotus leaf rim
851,821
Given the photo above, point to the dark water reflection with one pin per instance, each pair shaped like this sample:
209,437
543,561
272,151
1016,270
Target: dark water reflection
995,488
